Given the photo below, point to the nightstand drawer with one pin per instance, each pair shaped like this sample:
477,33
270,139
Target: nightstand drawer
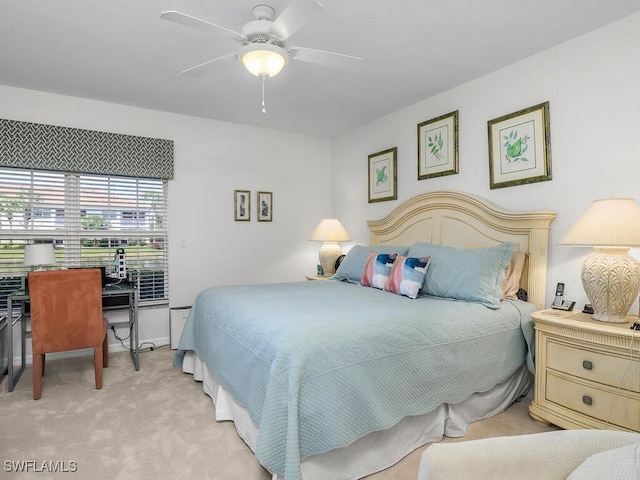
607,405
594,366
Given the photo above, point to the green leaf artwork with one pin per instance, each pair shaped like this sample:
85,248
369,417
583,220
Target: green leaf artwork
435,144
381,175
514,147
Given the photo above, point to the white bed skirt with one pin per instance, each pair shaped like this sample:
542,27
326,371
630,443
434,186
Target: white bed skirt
377,450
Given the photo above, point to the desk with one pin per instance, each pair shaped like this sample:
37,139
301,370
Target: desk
22,296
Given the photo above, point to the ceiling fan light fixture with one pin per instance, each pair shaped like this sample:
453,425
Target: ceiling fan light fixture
263,59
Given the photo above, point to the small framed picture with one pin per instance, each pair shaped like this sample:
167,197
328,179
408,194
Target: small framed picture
520,147
383,184
265,206
438,146
242,205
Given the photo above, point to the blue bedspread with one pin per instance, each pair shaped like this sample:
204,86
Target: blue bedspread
320,364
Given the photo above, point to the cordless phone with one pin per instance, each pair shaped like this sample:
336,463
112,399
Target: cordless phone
558,302
559,294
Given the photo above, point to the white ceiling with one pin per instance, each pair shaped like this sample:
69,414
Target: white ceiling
121,51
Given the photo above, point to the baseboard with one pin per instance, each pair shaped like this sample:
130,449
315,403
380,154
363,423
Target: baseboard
144,344
113,348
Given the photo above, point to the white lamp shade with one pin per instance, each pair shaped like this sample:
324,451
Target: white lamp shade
330,230
263,59
39,254
613,222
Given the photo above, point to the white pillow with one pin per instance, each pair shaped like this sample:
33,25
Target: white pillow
618,464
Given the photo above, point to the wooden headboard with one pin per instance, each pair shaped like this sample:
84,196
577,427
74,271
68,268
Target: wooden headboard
462,220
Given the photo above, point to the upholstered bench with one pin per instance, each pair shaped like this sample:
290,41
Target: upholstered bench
557,455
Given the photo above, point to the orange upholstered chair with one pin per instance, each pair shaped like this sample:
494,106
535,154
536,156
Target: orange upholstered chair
66,314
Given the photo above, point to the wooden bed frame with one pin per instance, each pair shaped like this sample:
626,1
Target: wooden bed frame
462,220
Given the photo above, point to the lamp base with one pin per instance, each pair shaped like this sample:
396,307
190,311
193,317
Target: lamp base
611,280
328,254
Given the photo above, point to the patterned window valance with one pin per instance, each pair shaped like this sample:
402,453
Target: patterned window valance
49,147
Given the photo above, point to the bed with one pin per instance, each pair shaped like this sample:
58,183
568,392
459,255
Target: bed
333,379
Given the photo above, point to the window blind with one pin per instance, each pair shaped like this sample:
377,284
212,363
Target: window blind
87,217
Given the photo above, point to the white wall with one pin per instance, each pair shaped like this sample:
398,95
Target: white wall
593,86
212,159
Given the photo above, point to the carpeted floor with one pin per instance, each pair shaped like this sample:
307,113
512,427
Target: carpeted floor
152,424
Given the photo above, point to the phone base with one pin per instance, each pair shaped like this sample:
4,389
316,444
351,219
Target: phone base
565,305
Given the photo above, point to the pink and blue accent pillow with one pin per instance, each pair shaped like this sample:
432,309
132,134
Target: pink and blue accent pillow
407,275
377,269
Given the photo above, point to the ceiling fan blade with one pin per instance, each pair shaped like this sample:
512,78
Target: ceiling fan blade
327,59
207,66
294,16
189,21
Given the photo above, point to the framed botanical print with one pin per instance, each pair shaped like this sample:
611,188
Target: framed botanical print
520,147
438,146
265,206
383,184
242,205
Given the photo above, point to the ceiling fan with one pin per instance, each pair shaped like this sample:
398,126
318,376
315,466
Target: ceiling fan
264,51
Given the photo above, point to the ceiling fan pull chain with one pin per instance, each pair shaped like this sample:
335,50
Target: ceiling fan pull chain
264,77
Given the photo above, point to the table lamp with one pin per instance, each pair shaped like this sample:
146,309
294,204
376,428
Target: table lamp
330,231
610,276
37,255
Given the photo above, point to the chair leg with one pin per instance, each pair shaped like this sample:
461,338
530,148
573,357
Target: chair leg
37,362
44,362
105,351
97,365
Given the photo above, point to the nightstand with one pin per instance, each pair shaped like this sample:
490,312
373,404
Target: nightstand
317,277
587,372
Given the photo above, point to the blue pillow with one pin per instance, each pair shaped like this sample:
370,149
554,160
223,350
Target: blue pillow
473,274
352,267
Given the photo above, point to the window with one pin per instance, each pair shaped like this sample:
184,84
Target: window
133,218
88,217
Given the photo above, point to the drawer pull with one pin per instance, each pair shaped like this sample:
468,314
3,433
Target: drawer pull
587,365
587,400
